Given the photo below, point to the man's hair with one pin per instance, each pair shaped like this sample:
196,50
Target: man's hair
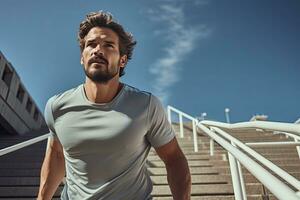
104,19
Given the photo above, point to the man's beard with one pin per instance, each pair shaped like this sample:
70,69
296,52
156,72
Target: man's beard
100,76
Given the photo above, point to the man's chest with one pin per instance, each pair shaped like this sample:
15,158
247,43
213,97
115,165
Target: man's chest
86,131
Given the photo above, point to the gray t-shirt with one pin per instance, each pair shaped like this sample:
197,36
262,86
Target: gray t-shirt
106,145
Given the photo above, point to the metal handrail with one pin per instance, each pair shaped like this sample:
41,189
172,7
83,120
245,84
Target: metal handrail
287,134
283,174
295,137
272,126
258,144
181,115
289,129
23,144
276,186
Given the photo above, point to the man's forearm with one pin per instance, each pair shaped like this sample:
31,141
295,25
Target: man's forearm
52,173
179,179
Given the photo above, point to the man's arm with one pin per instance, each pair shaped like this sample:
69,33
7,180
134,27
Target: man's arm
53,170
179,177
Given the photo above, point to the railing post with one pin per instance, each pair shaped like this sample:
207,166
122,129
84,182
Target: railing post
298,148
203,115
181,125
211,147
195,136
227,110
236,174
237,177
242,180
169,114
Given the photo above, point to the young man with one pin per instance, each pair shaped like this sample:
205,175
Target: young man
103,129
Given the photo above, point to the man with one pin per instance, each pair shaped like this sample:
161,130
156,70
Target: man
102,130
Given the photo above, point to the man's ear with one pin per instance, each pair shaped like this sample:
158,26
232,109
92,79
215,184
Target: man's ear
123,61
81,60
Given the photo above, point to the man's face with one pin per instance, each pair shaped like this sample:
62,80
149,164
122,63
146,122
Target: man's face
101,55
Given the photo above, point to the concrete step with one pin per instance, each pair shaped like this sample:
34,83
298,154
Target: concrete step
192,163
7,198
23,191
215,197
213,189
189,157
192,157
196,179
27,159
20,181
193,171
19,172
209,189
20,165
228,197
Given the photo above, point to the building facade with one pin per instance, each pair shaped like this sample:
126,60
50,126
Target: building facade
18,112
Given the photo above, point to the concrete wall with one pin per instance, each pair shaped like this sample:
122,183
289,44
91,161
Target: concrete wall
12,109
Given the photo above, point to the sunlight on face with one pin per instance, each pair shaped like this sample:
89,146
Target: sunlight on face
101,55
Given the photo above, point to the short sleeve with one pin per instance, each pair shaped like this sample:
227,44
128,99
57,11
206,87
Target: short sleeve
160,130
48,114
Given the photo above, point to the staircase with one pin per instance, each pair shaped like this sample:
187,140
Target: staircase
20,170
211,180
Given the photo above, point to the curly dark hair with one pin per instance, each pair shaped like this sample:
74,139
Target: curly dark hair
105,19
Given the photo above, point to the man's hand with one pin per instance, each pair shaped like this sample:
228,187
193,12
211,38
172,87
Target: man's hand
179,177
53,170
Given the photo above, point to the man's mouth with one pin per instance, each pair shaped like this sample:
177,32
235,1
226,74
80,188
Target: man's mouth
99,61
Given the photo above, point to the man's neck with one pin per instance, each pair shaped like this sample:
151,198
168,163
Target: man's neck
102,92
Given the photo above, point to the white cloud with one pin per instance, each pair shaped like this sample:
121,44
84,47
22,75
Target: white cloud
182,39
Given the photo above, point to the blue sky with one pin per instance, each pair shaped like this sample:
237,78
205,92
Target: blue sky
197,55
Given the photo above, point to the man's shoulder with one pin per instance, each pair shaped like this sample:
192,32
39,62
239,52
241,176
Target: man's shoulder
63,97
135,92
146,96
144,99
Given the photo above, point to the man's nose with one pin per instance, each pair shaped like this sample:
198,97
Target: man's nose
98,50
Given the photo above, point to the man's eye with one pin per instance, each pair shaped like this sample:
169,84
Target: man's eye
90,44
109,45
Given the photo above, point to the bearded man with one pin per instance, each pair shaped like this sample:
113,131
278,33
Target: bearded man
103,129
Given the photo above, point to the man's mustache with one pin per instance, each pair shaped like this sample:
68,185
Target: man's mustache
98,59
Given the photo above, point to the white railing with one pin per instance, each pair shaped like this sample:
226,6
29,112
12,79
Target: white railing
288,129
181,115
271,126
296,139
24,144
236,152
